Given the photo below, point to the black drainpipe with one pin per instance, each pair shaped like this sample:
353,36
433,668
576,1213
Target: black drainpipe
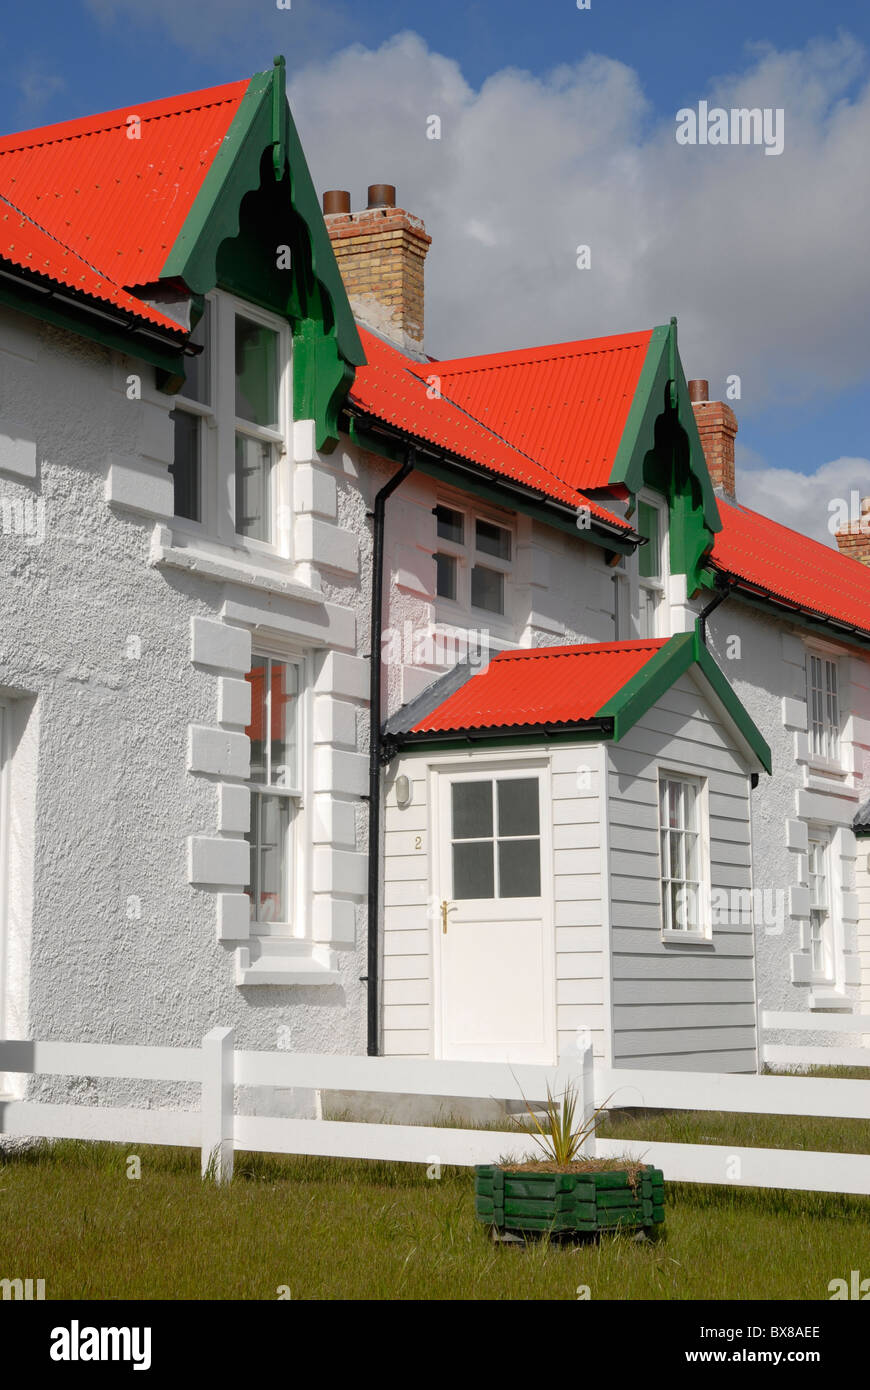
377,627
722,592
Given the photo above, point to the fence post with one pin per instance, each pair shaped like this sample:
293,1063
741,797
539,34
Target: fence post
217,1104
576,1062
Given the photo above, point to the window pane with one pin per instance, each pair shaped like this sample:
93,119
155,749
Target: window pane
675,866
518,806
493,540
285,700
256,730
473,875
450,524
253,488
185,465
256,373
445,576
648,556
519,869
269,836
472,810
196,369
487,590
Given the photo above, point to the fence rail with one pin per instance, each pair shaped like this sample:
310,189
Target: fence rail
219,1069
792,1054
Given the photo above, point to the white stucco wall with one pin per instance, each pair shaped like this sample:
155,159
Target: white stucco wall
560,590
766,666
126,649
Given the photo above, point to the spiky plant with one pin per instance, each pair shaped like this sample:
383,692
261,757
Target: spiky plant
557,1133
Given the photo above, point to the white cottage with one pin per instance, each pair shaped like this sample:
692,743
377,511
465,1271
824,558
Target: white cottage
568,849
362,700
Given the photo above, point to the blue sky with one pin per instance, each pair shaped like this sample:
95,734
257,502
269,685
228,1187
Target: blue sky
804,405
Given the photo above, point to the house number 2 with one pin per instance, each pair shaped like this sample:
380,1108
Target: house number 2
418,842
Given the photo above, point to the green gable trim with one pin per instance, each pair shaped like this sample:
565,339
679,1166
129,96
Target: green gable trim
234,171
216,246
670,662
480,485
661,449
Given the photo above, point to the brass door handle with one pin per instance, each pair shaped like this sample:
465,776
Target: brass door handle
444,911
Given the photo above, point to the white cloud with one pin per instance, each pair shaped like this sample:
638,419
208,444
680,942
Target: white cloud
762,258
37,87
810,503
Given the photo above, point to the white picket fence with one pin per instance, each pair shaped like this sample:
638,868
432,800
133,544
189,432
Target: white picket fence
785,1054
217,1068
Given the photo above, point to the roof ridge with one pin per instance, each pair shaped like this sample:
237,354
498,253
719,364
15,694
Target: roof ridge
551,349
99,122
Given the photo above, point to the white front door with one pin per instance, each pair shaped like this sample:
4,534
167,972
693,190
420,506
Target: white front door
494,952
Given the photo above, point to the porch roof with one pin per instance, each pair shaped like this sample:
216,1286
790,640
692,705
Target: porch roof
597,688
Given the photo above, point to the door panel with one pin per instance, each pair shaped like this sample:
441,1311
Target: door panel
494,962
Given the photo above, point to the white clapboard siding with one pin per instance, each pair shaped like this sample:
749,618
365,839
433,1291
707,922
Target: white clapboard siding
670,1000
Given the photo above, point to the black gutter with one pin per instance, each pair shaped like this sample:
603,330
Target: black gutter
722,592
765,598
122,320
375,737
395,742
606,530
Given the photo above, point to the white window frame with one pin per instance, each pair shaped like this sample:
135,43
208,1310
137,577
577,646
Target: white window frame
830,758
822,944
653,591
297,847
218,427
704,930
468,558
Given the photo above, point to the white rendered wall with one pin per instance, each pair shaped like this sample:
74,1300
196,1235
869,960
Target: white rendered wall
131,647
766,667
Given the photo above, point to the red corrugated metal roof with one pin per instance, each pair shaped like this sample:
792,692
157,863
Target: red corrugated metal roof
774,559
24,244
566,404
117,203
541,685
392,387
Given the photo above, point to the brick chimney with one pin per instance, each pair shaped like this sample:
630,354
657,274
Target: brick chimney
717,426
380,253
854,538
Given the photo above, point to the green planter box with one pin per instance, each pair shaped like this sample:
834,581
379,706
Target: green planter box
567,1201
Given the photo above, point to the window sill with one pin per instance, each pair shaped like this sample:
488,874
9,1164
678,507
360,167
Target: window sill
826,996
686,938
284,961
224,565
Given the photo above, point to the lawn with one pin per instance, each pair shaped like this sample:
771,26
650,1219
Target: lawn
341,1229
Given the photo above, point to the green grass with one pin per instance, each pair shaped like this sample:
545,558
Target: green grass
341,1229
